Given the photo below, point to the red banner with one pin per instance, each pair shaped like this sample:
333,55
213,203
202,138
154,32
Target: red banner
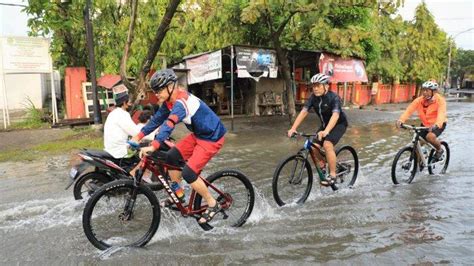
342,70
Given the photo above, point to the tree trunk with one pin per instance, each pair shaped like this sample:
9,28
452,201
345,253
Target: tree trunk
123,63
154,48
285,70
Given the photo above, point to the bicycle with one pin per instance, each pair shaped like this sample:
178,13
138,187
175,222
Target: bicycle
415,156
293,177
127,213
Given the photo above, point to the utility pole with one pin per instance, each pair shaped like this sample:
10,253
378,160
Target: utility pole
90,50
448,78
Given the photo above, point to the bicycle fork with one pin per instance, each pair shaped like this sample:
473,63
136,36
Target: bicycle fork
296,179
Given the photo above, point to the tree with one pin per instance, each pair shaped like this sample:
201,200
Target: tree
275,16
463,64
427,47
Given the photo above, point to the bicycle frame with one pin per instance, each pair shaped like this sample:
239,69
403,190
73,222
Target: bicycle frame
417,143
157,167
308,148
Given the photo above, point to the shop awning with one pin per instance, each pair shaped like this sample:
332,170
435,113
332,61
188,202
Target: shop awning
108,81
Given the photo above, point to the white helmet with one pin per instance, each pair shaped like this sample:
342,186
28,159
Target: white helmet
432,85
320,78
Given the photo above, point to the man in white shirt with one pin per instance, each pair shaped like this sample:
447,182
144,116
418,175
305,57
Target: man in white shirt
119,126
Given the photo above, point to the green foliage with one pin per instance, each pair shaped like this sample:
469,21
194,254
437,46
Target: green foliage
35,118
463,63
394,50
426,47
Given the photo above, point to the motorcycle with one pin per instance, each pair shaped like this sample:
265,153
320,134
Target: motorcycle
97,167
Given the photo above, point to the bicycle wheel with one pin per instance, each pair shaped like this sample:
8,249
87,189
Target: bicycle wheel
436,167
404,166
292,180
114,217
236,187
347,166
89,183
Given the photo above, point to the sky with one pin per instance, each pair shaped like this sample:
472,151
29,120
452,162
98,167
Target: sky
452,16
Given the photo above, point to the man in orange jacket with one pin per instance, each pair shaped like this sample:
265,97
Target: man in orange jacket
431,108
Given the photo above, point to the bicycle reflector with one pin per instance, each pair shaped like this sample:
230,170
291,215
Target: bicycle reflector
307,144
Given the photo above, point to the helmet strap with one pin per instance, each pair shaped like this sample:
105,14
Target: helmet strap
170,92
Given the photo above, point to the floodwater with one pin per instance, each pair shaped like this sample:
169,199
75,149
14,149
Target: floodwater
429,221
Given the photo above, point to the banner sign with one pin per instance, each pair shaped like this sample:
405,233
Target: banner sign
256,63
204,67
25,55
342,70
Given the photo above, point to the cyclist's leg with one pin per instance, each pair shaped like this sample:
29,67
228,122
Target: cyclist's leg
179,154
432,137
329,142
202,154
319,143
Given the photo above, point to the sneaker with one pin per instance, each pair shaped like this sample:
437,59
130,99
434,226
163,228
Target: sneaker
438,154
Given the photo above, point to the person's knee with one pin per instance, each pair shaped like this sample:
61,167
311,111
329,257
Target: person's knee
431,137
174,157
189,175
328,146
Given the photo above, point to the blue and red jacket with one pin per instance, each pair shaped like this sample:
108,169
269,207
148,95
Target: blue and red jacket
195,114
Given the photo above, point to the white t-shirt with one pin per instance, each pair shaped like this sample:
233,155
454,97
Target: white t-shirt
118,127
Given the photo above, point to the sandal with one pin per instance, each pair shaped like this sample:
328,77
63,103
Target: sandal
210,213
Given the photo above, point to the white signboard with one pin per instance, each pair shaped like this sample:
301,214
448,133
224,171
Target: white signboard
205,67
25,55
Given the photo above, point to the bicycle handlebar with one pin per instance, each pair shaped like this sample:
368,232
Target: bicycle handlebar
133,145
413,127
303,135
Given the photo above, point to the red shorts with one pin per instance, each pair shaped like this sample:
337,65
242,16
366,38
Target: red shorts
197,152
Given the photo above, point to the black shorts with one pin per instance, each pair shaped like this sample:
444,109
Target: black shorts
437,131
334,136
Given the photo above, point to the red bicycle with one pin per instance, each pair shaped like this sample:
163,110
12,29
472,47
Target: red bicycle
127,212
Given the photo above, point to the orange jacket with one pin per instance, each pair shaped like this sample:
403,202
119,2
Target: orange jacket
430,112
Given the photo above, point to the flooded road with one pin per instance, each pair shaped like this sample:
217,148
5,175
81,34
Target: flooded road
429,221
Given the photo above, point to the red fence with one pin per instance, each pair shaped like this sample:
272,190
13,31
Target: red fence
361,94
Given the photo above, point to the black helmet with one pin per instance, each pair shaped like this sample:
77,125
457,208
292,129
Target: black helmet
161,78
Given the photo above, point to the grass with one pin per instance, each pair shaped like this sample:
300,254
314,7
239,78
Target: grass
35,118
70,142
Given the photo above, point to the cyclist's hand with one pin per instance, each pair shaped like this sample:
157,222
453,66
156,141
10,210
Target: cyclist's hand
322,135
135,139
291,132
433,128
399,124
146,150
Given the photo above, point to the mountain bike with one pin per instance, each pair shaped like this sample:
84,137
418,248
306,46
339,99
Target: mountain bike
293,177
127,212
416,156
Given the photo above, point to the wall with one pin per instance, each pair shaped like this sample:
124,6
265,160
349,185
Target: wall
19,87
267,84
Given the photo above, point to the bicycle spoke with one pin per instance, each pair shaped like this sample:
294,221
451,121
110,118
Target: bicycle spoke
291,183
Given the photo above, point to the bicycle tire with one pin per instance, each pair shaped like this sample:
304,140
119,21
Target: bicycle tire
431,159
277,192
236,178
412,159
114,187
355,157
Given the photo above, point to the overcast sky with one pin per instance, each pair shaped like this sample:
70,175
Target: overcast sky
453,16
